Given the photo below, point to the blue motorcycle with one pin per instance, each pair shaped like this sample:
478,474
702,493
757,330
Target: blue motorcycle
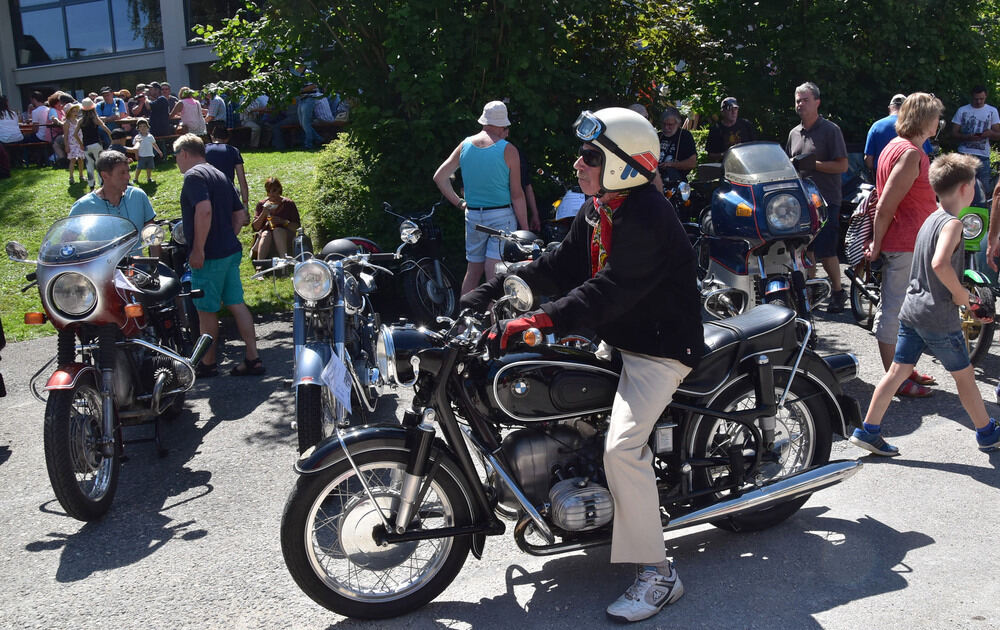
760,220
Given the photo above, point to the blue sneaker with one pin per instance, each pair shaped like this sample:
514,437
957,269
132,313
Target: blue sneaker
991,441
873,443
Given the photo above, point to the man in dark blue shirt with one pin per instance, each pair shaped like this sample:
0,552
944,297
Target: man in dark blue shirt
213,215
227,159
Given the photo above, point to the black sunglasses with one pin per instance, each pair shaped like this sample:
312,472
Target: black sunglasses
591,157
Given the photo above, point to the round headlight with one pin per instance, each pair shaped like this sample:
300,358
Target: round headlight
521,297
312,280
409,233
385,355
783,212
73,294
177,232
972,226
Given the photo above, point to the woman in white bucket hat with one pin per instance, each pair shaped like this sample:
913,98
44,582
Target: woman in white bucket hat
492,187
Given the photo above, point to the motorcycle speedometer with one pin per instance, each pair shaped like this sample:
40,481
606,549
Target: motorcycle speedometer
73,294
409,232
972,226
783,212
312,280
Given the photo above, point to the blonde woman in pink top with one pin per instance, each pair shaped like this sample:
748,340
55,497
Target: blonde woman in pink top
192,116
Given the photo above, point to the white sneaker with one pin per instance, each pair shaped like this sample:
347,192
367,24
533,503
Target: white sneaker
647,596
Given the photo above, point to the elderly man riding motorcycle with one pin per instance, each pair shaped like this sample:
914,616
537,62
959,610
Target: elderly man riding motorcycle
627,271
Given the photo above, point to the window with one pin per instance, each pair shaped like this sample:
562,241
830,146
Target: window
209,12
97,28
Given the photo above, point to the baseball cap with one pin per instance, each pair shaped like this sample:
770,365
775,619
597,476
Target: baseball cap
105,90
729,101
898,99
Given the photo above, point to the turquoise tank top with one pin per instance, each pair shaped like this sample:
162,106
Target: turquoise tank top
485,175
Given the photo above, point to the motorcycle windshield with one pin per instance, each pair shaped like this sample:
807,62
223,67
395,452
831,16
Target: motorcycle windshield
758,163
83,237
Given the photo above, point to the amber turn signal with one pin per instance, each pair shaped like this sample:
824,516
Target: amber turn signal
34,319
133,310
532,337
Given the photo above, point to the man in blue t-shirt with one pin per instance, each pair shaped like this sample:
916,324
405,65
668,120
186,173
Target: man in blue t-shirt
227,159
883,131
213,215
116,197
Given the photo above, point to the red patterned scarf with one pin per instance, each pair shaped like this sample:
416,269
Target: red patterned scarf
600,244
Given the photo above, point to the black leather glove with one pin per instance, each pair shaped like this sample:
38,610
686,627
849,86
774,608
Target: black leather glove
479,298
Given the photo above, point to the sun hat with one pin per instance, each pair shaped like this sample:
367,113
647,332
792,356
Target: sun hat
495,113
640,109
87,104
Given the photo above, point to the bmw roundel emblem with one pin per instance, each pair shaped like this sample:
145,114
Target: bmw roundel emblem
67,251
520,387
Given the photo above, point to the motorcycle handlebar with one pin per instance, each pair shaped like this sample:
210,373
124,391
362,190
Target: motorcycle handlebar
490,231
387,208
382,257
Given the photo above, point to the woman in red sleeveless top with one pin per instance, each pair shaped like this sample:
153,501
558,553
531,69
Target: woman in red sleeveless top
905,199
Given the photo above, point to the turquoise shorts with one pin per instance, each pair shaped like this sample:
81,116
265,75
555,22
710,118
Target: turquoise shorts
219,278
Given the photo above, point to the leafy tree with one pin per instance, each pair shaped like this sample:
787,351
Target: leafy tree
418,74
859,54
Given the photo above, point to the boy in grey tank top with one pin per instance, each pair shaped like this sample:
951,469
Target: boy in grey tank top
929,318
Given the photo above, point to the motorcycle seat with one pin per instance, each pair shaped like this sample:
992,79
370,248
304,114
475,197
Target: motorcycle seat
169,287
765,328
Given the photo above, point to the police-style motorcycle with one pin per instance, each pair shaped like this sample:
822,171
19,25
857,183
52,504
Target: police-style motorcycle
758,225
383,517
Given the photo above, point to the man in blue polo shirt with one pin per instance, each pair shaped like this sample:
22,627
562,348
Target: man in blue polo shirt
116,197
110,108
213,215
883,131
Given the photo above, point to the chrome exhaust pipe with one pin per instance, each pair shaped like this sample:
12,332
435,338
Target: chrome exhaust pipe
200,348
803,483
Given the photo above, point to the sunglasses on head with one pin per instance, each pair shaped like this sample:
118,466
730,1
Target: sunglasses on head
591,157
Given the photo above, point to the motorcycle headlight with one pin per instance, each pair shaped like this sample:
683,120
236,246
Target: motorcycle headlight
409,232
783,212
177,232
73,294
312,280
972,226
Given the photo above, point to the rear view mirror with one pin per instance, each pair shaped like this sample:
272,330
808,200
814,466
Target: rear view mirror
16,251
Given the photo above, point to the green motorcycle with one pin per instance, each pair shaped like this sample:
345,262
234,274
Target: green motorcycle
978,278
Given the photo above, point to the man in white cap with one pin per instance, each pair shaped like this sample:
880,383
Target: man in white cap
492,186
883,131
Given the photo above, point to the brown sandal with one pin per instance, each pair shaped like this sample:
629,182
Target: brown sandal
248,368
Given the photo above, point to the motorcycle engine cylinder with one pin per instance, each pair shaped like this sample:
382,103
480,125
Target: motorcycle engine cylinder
579,504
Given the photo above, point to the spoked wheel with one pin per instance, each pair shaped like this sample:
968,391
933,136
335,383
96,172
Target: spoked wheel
427,297
328,544
978,336
83,479
803,432
863,307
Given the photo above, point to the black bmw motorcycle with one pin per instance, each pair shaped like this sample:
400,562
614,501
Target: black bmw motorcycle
382,517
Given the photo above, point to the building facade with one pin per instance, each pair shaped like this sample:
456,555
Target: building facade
78,46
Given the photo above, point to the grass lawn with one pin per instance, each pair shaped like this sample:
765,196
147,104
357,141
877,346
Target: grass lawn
34,198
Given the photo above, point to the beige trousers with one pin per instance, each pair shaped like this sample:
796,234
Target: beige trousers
645,388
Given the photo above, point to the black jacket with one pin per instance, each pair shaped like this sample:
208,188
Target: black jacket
646,299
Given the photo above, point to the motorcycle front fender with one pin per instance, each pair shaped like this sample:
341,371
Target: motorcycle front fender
67,376
310,359
975,277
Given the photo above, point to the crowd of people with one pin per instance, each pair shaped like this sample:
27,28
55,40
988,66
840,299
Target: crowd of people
165,115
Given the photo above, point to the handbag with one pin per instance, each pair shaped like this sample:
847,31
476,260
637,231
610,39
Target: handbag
861,228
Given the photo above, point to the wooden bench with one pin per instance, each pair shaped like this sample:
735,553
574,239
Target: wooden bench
40,151
166,143
327,130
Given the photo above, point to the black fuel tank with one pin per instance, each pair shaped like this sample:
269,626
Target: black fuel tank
553,383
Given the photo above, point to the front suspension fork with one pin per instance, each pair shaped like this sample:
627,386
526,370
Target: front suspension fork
106,354
763,379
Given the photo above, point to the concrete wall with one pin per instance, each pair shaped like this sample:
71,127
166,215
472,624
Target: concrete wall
175,56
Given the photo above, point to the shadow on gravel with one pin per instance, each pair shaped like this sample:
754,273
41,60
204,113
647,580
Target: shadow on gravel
779,578
139,523
985,474
4,454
